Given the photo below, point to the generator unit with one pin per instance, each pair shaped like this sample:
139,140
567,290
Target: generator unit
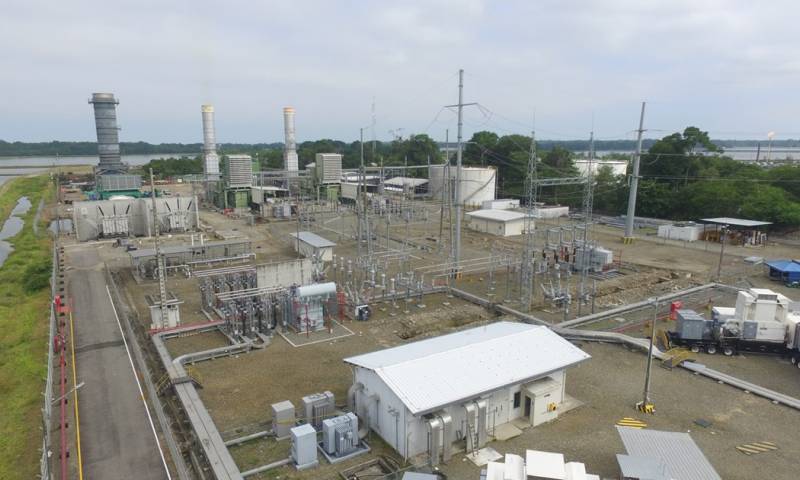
318,407
340,435
304,446
692,326
763,321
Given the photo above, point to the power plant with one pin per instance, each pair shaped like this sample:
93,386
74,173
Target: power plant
290,163
105,120
354,275
111,176
210,157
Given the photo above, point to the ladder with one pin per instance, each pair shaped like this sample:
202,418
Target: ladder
472,439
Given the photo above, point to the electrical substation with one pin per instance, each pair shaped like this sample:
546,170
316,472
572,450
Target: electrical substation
316,321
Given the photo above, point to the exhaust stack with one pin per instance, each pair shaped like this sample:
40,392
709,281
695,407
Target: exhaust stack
210,157
105,121
290,144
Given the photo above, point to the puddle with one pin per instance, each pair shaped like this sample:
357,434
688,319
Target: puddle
65,226
12,226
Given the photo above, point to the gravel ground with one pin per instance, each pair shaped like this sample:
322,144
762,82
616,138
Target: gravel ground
610,385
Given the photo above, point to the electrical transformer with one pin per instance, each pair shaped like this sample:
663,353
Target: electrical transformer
340,435
318,407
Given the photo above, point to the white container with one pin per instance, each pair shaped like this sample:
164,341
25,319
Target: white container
687,232
500,204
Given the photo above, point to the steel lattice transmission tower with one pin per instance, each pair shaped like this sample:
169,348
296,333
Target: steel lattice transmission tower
529,248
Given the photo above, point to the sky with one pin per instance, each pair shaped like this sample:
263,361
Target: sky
568,67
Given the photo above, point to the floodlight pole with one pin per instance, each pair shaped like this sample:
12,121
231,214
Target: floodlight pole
722,234
646,406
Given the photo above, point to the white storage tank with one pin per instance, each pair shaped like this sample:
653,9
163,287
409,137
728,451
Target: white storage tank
478,184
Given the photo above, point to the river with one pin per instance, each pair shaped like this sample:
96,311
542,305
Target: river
49,161
29,164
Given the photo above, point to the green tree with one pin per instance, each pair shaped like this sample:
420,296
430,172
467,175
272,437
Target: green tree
480,147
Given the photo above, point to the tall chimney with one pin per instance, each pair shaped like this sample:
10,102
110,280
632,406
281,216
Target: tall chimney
290,145
105,121
210,157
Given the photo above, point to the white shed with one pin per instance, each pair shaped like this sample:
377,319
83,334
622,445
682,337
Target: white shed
504,223
461,386
686,231
309,244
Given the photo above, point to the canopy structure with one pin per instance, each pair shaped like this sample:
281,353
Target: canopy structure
784,270
735,222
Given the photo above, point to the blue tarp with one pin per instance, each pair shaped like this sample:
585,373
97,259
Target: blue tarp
784,270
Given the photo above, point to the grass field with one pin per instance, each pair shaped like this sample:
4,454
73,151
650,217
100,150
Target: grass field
24,314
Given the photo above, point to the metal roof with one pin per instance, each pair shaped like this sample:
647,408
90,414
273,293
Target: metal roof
545,465
173,249
784,265
403,181
682,458
430,374
735,222
313,239
643,468
497,215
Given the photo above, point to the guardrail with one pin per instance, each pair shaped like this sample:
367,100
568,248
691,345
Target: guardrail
47,409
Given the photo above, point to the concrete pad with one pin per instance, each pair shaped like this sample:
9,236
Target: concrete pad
506,431
484,456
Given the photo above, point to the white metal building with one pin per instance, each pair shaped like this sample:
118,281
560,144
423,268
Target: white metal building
309,244
461,386
618,167
686,231
500,204
504,223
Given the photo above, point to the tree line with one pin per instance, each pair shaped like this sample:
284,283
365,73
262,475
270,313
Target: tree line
684,175
52,148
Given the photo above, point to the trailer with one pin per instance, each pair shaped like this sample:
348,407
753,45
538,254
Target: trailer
762,322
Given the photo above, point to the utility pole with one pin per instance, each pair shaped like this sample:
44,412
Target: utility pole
722,234
628,238
160,268
459,154
444,185
646,406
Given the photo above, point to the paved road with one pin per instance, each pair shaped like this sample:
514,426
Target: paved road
116,437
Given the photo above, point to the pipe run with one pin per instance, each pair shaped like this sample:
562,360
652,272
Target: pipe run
264,468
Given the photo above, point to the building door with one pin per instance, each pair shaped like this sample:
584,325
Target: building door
527,406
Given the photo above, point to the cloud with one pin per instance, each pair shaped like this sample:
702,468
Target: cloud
730,64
